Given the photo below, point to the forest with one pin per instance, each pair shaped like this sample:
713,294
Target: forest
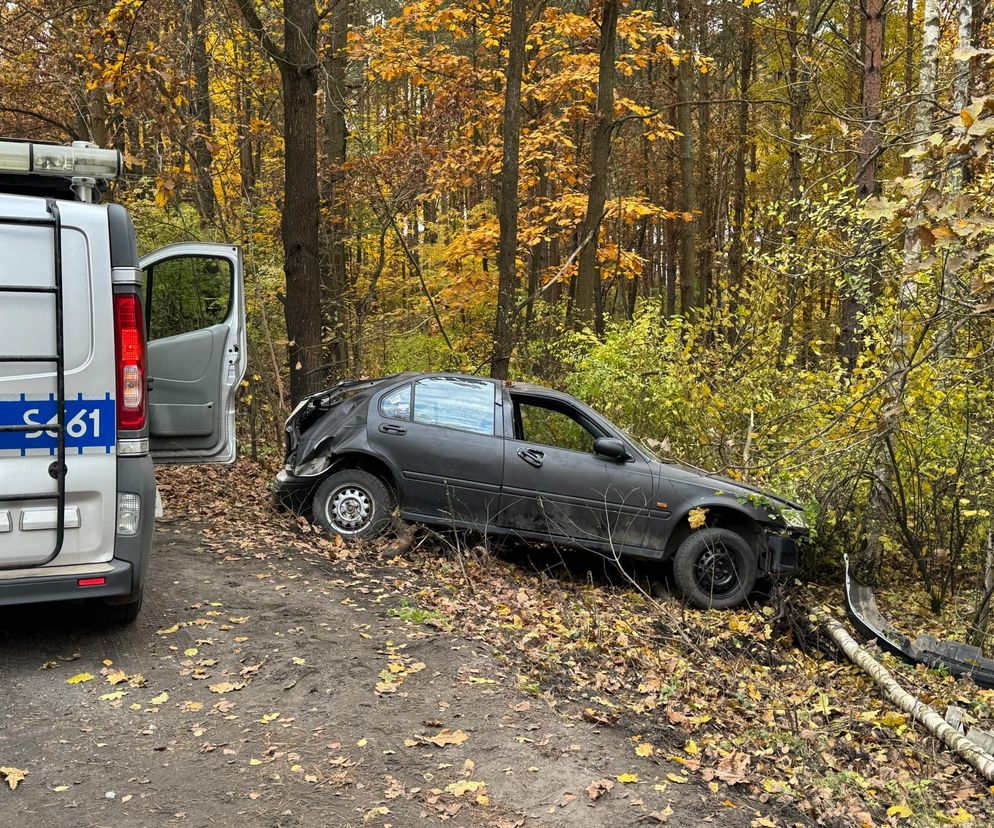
758,235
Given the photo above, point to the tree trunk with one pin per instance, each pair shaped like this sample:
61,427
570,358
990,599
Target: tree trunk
96,121
200,110
735,251
705,179
587,298
917,710
298,67
302,207
335,282
872,138
963,75
507,212
799,80
690,288
866,279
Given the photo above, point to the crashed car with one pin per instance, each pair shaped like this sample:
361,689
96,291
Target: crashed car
519,459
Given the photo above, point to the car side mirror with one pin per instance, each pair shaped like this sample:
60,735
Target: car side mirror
610,447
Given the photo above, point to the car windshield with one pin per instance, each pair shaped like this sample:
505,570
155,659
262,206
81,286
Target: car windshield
648,452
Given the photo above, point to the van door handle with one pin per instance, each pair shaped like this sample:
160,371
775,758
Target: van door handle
533,457
389,428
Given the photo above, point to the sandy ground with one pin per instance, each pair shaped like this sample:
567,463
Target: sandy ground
299,734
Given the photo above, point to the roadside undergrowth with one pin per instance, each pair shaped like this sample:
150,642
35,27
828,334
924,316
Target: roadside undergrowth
750,701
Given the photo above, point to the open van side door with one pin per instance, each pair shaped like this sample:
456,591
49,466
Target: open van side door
195,323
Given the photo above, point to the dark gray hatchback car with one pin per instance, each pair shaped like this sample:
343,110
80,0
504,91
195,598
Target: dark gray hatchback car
523,460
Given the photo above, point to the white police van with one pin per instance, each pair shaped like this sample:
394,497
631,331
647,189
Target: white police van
108,361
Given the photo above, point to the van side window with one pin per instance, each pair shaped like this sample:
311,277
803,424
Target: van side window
186,294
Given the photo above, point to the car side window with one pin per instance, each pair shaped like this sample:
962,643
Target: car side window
187,293
397,404
554,427
461,403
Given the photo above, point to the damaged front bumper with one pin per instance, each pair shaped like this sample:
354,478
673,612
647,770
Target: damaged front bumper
783,552
958,659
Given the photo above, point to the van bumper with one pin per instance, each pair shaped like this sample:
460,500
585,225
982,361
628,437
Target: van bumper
118,578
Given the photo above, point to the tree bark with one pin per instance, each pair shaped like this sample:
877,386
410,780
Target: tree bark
872,138
690,288
587,298
335,282
799,80
735,251
865,280
963,76
298,67
507,211
200,111
705,179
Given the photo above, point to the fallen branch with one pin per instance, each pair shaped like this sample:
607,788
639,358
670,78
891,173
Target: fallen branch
919,711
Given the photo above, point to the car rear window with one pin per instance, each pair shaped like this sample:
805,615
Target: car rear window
465,404
397,404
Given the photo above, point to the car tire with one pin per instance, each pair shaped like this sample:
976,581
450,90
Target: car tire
715,569
354,504
115,614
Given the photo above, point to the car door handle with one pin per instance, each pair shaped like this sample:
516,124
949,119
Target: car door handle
389,428
533,457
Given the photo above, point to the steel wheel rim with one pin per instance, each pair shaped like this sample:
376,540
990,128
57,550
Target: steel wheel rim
716,571
349,509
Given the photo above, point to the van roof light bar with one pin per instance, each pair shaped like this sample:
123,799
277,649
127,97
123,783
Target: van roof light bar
79,160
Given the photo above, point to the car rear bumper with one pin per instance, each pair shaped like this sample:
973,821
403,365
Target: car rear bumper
293,494
39,586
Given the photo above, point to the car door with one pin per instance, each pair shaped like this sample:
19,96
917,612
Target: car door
195,319
443,435
555,485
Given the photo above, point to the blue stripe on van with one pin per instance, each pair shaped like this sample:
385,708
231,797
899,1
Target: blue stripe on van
89,423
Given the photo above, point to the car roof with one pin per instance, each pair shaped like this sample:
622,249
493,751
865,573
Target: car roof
526,387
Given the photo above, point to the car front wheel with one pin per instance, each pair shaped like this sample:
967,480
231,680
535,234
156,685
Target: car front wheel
354,504
715,569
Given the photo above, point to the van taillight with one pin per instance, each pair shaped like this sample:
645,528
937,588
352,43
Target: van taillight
129,341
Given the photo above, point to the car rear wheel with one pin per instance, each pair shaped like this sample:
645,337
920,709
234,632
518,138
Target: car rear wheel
354,504
715,569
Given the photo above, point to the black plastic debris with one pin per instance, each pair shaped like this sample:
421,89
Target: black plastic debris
958,659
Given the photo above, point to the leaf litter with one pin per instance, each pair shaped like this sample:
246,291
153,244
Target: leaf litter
735,699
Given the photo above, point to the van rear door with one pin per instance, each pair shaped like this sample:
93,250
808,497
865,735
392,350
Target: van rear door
195,318
29,342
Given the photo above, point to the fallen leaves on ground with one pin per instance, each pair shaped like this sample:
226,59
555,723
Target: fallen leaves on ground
599,787
736,699
13,776
226,686
446,737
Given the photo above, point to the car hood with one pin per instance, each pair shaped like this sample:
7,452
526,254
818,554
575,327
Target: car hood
716,482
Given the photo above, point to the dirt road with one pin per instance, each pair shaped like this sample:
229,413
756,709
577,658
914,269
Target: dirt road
262,687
